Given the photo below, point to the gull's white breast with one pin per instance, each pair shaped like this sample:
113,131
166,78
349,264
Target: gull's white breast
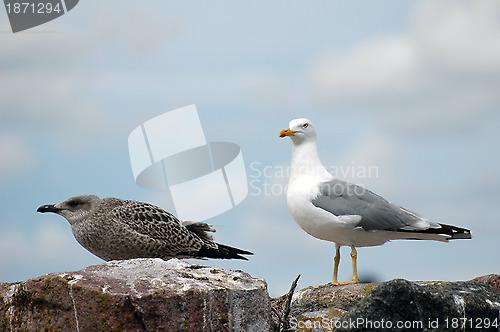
324,225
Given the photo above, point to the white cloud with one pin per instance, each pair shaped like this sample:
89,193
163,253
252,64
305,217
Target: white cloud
140,35
442,75
461,36
41,93
31,88
382,68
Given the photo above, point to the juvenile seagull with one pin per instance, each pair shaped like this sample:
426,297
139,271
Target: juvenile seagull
113,228
349,215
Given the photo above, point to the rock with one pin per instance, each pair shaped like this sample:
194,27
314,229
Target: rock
491,279
321,305
157,295
401,305
398,305
137,295
316,303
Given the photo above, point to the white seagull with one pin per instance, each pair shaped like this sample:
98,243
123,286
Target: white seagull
334,210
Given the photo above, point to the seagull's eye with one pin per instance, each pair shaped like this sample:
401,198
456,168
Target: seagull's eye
73,203
305,125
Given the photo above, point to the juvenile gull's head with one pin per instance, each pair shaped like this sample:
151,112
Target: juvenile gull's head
73,209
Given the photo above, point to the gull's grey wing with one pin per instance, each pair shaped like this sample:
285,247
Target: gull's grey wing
160,225
343,198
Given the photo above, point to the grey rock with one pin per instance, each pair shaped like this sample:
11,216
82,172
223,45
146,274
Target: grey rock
491,279
396,305
322,305
158,295
137,295
401,305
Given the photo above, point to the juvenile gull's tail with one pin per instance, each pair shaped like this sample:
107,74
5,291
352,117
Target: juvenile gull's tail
222,251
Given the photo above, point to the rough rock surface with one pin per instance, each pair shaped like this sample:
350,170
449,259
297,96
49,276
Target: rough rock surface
419,306
137,295
396,305
316,303
157,295
491,279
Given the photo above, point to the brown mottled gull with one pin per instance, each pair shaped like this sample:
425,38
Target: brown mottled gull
113,228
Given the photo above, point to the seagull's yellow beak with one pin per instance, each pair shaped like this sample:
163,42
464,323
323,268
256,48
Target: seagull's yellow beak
287,132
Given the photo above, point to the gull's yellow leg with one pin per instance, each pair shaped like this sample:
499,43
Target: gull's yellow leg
354,257
336,261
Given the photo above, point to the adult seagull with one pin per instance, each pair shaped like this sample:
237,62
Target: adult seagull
338,211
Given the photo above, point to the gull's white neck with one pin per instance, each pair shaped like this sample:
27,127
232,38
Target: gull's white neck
306,163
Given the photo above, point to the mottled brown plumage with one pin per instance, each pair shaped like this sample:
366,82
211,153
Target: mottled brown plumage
113,228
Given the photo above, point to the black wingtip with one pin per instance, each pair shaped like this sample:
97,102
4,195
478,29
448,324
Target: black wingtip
459,233
453,232
222,252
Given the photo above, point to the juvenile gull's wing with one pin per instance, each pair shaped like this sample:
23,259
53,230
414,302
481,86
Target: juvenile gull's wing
158,224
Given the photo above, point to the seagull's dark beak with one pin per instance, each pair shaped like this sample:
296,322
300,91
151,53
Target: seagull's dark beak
287,132
48,208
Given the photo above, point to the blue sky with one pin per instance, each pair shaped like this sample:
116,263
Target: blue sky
407,87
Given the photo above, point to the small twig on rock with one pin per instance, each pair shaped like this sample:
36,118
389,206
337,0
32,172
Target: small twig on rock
283,323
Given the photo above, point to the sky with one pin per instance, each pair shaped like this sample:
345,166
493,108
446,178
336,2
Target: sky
403,94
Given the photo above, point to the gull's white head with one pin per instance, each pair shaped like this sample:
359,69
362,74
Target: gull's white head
299,130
